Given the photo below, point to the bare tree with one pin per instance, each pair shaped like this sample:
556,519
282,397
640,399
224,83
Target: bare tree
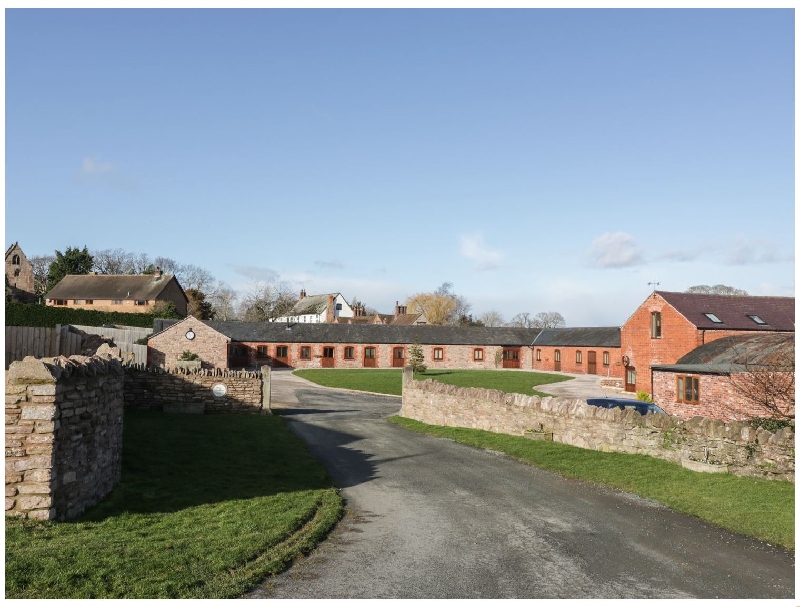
716,290
112,261
140,263
167,265
492,318
266,301
768,383
223,299
41,266
523,319
194,277
548,320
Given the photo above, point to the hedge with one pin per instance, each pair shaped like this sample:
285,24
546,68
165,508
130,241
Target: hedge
40,315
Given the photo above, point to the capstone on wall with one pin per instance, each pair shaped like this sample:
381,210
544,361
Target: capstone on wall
63,434
746,451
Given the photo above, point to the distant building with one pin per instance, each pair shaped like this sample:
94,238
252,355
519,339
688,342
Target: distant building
19,275
318,308
118,292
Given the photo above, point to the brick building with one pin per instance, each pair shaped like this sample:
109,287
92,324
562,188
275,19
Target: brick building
118,293
348,346
668,325
19,275
590,350
723,379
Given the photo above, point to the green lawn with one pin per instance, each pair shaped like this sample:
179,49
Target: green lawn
758,508
207,507
389,381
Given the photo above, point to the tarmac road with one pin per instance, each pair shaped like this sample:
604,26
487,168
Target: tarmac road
429,518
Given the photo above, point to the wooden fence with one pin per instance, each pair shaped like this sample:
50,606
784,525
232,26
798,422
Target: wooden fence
45,342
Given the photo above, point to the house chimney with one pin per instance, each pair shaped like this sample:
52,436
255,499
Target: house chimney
158,272
329,311
399,310
302,293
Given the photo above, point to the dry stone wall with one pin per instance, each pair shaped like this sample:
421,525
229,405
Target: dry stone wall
192,391
63,434
744,450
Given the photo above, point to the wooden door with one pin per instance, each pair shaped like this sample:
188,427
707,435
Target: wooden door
328,357
557,360
630,379
369,357
281,358
591,362
510,358
398,357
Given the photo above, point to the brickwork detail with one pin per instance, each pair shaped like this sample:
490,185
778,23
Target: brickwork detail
164,349
63,434
745,451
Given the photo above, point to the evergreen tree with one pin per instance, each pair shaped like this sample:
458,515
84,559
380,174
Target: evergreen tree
416,358
72,261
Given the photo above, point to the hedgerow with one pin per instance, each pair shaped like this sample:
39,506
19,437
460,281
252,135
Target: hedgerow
40,315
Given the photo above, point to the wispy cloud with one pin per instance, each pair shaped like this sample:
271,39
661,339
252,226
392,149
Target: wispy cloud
485,258
330,265
747,252
92,166
256,273
615,250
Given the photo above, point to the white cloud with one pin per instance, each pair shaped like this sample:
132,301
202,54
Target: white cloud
92,166
615,250
473,248
332,265
753,252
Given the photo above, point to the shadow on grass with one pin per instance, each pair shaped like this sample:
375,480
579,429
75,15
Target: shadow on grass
171,462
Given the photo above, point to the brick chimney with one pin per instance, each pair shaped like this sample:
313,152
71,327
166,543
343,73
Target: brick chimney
399,310
329,311
302,293
158,272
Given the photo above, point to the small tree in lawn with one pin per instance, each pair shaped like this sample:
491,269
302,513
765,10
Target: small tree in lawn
416,358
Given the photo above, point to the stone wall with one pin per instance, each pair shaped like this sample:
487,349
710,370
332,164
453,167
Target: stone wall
63,434
193,391
745,451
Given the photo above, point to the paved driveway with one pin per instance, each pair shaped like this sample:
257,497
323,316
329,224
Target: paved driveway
580,386
429,518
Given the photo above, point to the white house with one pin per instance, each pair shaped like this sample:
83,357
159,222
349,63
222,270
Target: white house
318,308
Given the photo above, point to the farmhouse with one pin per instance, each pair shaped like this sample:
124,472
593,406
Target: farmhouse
118,293
667,326
731,378
592,350
318,308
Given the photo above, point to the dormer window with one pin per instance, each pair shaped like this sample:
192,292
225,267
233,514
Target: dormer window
712,317
756,319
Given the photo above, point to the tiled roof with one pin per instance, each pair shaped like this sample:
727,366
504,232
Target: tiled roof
405,319
373,334
598,337
733,311
734,353
311,304
110,286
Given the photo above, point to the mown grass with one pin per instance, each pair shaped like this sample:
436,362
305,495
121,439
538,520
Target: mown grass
754,507
207,507
389,381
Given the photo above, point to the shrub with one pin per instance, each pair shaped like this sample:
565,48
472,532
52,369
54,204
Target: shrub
644,396
188,355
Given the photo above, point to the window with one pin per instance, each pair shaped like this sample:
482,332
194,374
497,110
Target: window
305,352
369,353
606,359
77,302
116,302
578,357
140,302
261,351
328,352
438,354
59,302
15,260
90,301
399,353
348,352
237,351
338,306
655,325
712,317
16,271
688,389
630,376
477,354
756,319
282,352
539,354
557,356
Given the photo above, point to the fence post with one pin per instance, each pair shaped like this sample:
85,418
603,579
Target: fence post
266,390
58,341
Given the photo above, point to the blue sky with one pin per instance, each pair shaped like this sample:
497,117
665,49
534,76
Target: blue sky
539,160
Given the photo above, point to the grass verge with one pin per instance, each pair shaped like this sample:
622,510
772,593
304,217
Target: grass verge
754,507
389,381
207,507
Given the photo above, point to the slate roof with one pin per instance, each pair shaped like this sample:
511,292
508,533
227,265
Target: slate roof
111,286
734,354
594,337
732,310
373,334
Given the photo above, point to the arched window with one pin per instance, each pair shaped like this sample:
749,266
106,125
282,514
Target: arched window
15,260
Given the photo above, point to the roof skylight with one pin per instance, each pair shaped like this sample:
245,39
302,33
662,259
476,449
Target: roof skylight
756,319
712,317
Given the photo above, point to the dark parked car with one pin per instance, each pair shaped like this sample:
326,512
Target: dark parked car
641,406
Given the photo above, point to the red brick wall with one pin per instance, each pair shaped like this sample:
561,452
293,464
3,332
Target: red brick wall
568,364
718,399
164,349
